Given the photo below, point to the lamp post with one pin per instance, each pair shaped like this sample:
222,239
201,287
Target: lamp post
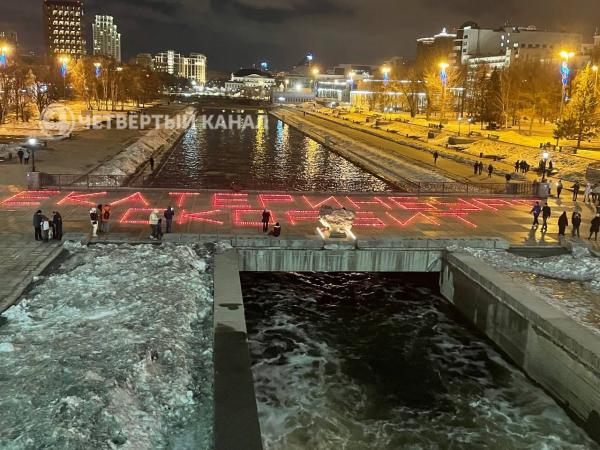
386,73
444,80
545,157
565,71
64,67
32,142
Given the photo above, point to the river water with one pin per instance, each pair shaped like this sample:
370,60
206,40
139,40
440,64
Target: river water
380,361
268,155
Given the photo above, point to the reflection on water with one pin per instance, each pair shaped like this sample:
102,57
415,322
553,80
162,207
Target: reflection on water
272,156
379,361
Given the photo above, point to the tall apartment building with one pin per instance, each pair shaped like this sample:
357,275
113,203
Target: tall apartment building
192,67
63,22
107,40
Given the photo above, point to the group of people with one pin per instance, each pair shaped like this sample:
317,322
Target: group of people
46,229
563,221
100,219
266,218
23,156
522,166
478,169
156,221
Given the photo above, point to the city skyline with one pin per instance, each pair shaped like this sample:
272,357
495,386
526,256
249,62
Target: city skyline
270,30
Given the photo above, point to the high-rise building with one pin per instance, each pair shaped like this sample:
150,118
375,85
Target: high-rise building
107,40
145,60
63,21
192,67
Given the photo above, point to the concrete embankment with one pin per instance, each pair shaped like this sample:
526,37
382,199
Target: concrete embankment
551,348
152,143
391,169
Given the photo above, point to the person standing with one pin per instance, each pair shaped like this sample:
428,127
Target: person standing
536,210
436,155
586,192
20,155
152,164
37,224
546,212
480,167
276,230
26,156
57,222
576,188
475,168
169,214
490,171
100,227
575,223
45,229
105,222
94,221
153,220
266,217
559,188
563,223
595,227
517,165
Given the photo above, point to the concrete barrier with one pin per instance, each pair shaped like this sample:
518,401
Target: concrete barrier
554,350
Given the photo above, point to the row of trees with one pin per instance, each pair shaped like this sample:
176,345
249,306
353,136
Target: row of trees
529,90
28,87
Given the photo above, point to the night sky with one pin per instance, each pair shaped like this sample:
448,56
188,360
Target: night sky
235,33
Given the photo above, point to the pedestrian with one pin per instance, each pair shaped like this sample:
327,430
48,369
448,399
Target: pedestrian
559,188
546,212
159,232
99,209
94,221
57,222
153,221
152,164
517,165
105,222
276,230
266,217
169,214
20,154
575,222
26,156
576,188
490,171
586,193
550,168
37,224
536,213
480,167
45,228
595,227
563,223
475,168
435,157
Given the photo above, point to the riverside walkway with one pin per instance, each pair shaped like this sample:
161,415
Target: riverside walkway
225,213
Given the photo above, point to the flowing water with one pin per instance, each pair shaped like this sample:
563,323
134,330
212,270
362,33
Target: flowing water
380,361
270,155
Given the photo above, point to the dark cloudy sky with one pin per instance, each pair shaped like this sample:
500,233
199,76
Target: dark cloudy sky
234,33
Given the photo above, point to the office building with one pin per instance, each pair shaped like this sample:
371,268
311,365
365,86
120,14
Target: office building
192,67
63,22
107,40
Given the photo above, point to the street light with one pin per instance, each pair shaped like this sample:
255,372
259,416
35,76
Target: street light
386,73
565,71
4,51
545,157
64,67
98,70
444,80
32,142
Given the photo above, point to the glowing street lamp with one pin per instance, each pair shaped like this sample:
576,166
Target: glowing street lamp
98,69
386,73
545,157
64,68
4,51
444,80
32,142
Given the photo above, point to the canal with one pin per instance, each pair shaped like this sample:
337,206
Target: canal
266,154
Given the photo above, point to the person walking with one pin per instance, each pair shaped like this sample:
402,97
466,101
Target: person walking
45,229
37,224
169,214
536,210
480,167
436,155
546,212
105,222
563,223
94,221
475,168
153,220
559,188
26,156
595,227
576,188
57,223
490,170
575,223
586,192
99,209
266,217
517,165
152,164
276,230
20,155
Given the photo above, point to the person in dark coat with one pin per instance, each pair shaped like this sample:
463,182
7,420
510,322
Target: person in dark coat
266,216
152,164
536,210
563,223
57,224
276,230
37,224
20,154
480,167
546,212
169,214
490,171
517,165
595,227
475,168
559,188
575,223
435,157
576,188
